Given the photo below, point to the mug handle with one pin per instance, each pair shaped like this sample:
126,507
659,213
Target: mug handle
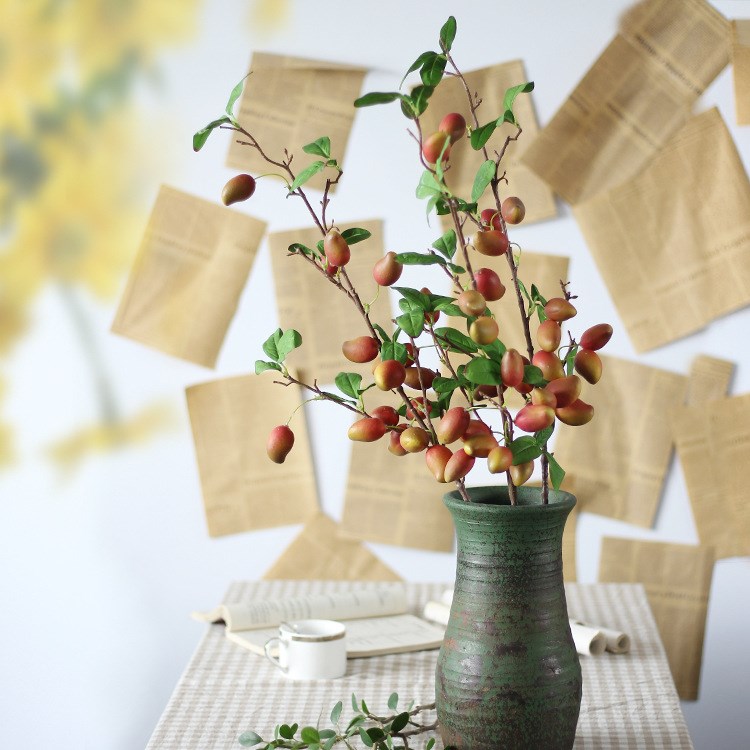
274,660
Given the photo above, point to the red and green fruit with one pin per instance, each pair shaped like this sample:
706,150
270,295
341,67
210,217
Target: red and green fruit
576,414
437,457
548,335
238,189
454,125
280,442
433,145
588,365
389,374
361,349
596,337
453,425
489,284
500,459
484,330
559,309
414,439
336,248
513,210
458,466
367,430
387,270
490,242
471,303
511,368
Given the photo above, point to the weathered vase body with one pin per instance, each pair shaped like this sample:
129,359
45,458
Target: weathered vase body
508,674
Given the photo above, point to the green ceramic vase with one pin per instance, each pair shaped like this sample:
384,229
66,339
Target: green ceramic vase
508,674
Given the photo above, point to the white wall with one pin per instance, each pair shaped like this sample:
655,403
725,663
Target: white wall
99,572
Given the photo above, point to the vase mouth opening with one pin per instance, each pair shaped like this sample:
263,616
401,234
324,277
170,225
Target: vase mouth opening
498,497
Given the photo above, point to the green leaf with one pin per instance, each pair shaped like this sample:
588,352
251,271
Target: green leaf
418,63
310,735
411,322
200,138
306,174
457,341
533,376
358,719
494,350
400,722
298,247
365,737
556,472
482,134
249,738
544,435
381,332
536,295
448,33
321,147
420,299
234,96
456,269
378,97
526,294
483,371
428,185
348,383
446,244
376,734
336,712
393,701
289,341
353,235
420,98
394,350
419,259
430,744
570,359
365,710
432,70
510,97
270,345
261,366
443,385
450,308
524,449
286,731
326,734
485,173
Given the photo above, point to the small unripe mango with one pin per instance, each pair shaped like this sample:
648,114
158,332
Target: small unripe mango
414,439
511,368
566,390
550,365
534,417
387,270
559,309
577,414
389,374
280,442
588,365
437,457
386,414
413,374
596,337
491,218
361,349
453,424
471,302
458,466
513,210
490,242
520,474
367,430
336,248
417,406
394,442
238,189
480,446
544,397
489,284
433,145
548,335
476,427
484,330
454,125
500,459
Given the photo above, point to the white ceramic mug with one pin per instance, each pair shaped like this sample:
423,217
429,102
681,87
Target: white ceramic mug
310,649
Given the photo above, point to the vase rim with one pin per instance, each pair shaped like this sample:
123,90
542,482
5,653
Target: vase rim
529,500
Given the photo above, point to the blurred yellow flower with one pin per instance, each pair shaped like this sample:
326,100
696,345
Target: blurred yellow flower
268,15
99,438
7,452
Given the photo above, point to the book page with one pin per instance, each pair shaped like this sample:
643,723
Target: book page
242,488
324,315
677,579
741,69
395,500
673,244
286,104
491,84
339,605
616,463
321,553
187,278
638,92
713,445
376,636
710,378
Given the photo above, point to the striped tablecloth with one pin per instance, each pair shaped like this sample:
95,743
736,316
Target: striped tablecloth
629,701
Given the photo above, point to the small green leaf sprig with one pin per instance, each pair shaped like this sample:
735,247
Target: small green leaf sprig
391,732
548,379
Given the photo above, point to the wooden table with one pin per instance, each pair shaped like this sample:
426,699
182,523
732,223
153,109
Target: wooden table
629,701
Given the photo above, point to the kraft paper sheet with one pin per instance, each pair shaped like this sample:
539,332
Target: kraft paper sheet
491,84
673,244
677,579
288,102
713,445
320,553
634,97
741,69
395,500
616,463
710,378
187,278
325,316
242,488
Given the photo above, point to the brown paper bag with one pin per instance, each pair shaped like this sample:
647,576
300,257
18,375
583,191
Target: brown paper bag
741,69
188,275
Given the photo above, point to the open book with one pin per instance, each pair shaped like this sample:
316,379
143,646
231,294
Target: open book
376,620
